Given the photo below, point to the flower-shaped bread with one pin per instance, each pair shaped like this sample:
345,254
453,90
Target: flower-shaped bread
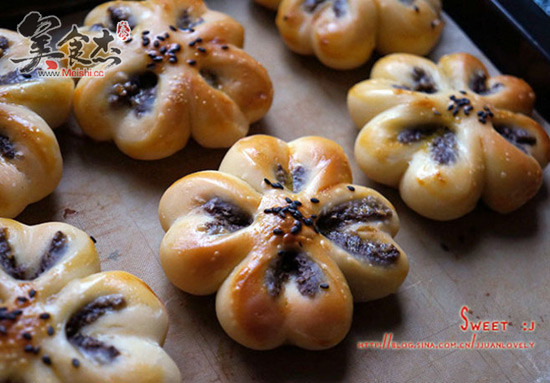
30,160
447,135
343,33
182,73
283,237
60,322
50,97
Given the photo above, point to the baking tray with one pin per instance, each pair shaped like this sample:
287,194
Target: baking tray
497,265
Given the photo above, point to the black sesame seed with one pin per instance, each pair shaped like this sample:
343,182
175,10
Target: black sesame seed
277,186
75,362
297,203
32,293
173,59
416,9
93,239
163,50
295,229
288,200
351,188
45,316
145,32
201,49
128,40
175,48
17,312
28,348
166,35
191,62
225,47
324,286
36,350
172,28
152,54
145,42
22,299
157,59
278,231
462,91
314,200
50,330
267,181
161,38
47,360
27,335
308,222
156,43
3,330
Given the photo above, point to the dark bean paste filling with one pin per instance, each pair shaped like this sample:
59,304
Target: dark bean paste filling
186,21
423,82
4,45
294,181
516,136
332,224
8,261
7,149
478,83
98,350
117,14
211,78
16,77
339,7
137,93
7,258
55,251
293,266
443,147
227,217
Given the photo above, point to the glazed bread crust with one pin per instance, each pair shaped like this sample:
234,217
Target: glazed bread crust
343,33
65,322
448,135
31,163
284,239
210,90
49,97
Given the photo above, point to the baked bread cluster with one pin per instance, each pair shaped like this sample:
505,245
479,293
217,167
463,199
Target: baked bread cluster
284,238
182,74
31,163
62,321
343,33
449,134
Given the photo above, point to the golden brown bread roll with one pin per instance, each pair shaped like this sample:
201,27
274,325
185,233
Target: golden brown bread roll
62,321
447,135
50,97
182,74
30,159
284,238
343,33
